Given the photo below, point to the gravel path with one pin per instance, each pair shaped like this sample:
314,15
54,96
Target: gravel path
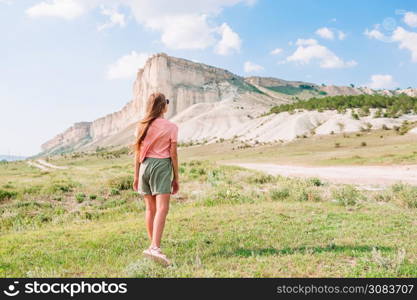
363,175
43,165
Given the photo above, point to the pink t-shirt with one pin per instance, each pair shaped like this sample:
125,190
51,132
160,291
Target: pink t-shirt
157,142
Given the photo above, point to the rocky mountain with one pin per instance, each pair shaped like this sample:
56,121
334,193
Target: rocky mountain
206,102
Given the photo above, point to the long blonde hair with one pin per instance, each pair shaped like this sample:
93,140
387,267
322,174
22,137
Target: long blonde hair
154,109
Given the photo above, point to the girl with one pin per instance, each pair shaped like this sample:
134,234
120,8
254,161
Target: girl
155,161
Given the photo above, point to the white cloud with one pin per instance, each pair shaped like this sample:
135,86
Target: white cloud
185,31
183,24
410,18
250,67
306,42
325,33
407,40
341,35
330,34
310,50
230,41
380,81
127,66
67,9
375,34
188,24
276,51
115,18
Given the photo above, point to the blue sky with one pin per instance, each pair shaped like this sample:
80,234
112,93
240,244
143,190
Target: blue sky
64,61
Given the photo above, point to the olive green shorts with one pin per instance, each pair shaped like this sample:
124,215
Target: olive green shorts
155,176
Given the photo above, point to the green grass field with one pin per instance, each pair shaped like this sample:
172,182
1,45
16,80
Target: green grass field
226,221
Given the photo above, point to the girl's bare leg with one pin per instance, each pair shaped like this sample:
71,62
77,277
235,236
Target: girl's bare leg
162,207
150,202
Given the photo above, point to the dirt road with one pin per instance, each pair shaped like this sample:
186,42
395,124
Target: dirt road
364,175
44,166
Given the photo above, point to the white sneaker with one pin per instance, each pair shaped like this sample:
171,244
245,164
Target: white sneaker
156,254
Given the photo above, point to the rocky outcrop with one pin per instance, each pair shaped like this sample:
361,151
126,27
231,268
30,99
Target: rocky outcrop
184,82
205,101
73,135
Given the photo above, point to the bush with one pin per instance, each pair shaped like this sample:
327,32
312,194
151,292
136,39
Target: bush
121,183
31,190
5,195
214,177
261,179
93,197
80,197
405,194
347,195
355,116
315,182
306,194
405,127
114,192
280,194
60,187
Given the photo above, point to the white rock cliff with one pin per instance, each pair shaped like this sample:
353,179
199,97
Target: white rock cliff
207,103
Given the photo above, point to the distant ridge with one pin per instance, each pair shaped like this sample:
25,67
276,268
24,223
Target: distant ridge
11,157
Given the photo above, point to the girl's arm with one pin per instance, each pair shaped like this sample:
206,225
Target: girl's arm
136,176
174,159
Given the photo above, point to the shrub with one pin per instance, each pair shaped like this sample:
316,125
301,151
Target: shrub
35,189
315,182
80,197
93,197
5,195
405,127
280,194
60,187
114,192
363,144
261,179
405,194
121,183
347,195
214,177
305,194
197,172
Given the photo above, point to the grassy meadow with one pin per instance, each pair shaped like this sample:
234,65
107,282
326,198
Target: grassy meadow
85,221
373,147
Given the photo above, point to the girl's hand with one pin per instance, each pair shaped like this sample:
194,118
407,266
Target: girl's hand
175,186
135,184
